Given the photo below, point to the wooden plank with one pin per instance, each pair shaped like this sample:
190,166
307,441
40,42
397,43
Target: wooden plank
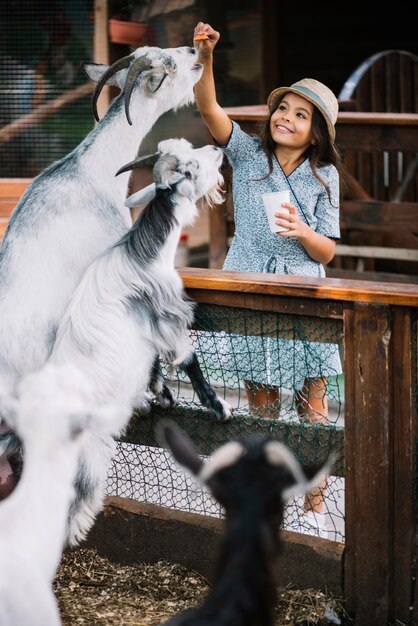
258,302
405,433
259,112
371,137
11,188
384,216
376,252
7,206
217,236
338,272
310,443
101,48
300,286
356,130
129,532
3,226
368,569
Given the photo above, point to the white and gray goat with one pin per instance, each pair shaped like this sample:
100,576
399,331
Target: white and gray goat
52,412
75,209
252,479
130,310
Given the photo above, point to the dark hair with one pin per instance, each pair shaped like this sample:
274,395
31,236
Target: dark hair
322,152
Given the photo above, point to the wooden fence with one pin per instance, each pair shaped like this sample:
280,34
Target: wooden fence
377,562
380,370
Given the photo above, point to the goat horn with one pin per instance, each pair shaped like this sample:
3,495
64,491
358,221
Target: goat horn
121,64
139,65
144,161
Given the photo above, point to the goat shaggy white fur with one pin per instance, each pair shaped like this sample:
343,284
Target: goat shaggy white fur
75,209
52,413
252,479
130,309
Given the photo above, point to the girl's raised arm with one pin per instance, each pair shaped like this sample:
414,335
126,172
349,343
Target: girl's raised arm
219,125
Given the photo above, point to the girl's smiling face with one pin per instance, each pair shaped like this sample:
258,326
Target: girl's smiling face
291,122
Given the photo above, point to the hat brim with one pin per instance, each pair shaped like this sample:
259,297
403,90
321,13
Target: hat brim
276,94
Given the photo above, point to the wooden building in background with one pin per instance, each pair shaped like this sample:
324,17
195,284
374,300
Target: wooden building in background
264,43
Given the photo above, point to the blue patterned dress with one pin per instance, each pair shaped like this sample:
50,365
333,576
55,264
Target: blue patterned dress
254,248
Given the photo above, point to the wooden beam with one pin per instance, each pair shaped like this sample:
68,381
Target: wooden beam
405,448
332,289
312,444
376,252
368,562
101,48
129,532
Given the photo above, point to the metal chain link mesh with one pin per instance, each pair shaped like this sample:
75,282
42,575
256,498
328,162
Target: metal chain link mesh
230,343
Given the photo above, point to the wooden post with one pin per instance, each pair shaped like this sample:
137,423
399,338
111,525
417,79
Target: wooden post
405,435
101,48
368,569
217,237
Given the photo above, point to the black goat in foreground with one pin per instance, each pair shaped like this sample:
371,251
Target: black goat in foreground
252,479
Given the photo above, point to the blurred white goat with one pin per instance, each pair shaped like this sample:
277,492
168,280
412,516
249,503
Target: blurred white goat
75,209
52,413
130,308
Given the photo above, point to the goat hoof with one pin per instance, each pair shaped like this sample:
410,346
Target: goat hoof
222,410
144,406
165,398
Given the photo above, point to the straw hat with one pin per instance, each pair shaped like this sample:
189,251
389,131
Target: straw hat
314,91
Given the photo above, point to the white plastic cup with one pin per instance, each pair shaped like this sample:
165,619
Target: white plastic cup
273,204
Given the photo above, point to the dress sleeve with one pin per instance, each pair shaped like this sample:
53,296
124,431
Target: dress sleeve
240,146
328,212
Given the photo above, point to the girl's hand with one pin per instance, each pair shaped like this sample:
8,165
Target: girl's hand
319,247
205,46
293,223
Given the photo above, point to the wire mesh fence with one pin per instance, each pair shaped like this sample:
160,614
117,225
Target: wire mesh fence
281,375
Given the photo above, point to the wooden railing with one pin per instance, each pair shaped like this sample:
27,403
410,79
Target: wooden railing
10,191
378,322
380,361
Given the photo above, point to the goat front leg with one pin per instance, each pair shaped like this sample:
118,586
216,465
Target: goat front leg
157,386
206,394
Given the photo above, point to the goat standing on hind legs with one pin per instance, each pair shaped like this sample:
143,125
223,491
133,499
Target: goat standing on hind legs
75,209
183,175
252,479
130,309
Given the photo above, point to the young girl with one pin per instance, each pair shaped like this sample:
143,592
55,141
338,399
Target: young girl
296,152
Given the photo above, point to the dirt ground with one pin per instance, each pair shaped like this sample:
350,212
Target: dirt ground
92,591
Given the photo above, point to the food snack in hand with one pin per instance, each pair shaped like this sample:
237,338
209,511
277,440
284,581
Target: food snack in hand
201,37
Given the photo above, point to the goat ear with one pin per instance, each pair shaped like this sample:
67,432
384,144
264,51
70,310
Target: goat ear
186,188
143,196
314,478
153,79
95,71
169,435
169,178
